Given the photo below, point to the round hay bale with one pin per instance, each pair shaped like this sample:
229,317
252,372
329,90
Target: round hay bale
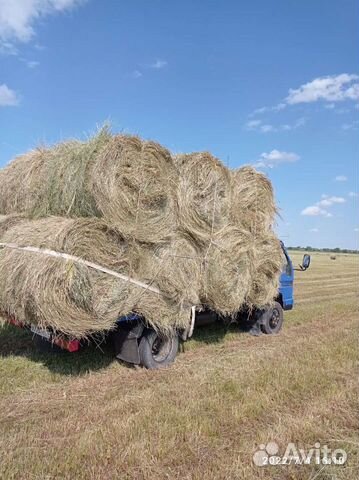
174,268
252,204
133,183
53,181
203,195
72,298
266,265
21,182
227,271
48,292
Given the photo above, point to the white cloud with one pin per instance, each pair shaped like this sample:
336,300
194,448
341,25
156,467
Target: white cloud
258,111
351,126
29,63
319,210
259,126
266,128
18,17
332,88
341,178
276,108
315,230
352,194
356,229
8,98
136,74
329,201
158,64
315,211
276,157
252,124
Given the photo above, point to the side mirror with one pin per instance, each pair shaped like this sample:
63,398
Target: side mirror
305,262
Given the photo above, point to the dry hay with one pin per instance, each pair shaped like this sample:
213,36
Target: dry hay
252,203
75,299
203,195
130,182
53,181
241,270
175,268
21,182
9,221
266,265
66,178
227,271
189,227
134,186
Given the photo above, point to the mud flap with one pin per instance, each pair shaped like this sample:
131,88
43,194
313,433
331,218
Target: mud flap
125,341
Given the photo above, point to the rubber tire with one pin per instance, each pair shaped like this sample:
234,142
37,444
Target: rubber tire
146,355
266,317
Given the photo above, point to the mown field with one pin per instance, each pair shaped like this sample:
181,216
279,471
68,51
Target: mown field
86,416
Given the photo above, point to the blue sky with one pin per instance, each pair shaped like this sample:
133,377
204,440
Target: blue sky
272,83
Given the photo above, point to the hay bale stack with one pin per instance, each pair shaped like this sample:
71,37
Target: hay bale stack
187,226
133,183
203,195
252,203
77,300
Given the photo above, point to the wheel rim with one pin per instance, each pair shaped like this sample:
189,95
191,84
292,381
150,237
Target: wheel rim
161,348
274,319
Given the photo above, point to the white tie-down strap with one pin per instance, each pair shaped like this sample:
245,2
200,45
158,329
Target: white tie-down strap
81,261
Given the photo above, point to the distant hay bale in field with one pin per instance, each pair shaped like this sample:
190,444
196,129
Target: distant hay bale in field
252,204
203,195
266,265
73,298
134,183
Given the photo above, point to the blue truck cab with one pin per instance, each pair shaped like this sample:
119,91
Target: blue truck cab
286,280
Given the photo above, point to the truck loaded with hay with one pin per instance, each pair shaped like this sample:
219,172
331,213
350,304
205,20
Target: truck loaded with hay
116,234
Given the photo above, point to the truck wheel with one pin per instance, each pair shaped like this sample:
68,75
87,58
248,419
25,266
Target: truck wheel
272,319
157,351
